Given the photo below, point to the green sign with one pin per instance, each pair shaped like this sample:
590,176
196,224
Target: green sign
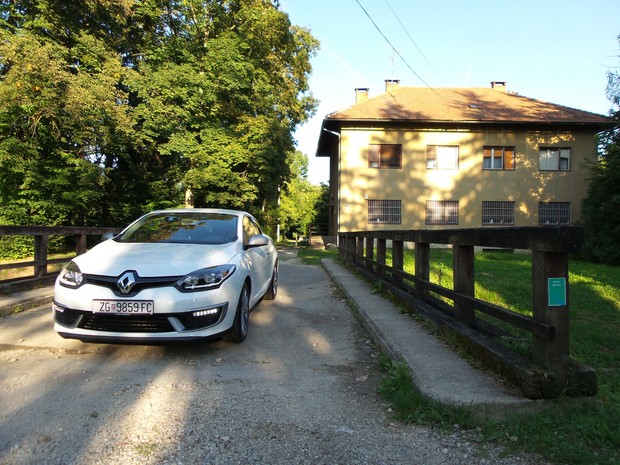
556,291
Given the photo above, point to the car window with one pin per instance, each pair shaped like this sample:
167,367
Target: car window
250,228
185,228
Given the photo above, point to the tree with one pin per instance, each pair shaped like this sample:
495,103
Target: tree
109,108
223,91
601,208
299,199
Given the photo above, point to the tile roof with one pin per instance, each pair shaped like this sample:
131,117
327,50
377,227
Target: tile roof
475,105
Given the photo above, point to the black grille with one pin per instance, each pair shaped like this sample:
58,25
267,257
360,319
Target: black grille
135,323
126,323
109,282
67,317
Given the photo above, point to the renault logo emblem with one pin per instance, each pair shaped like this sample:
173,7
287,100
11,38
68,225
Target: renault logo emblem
126,282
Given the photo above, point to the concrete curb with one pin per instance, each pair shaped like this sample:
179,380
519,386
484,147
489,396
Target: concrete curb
437,372
20,301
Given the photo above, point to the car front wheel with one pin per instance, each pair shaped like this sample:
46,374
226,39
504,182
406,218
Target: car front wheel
239,329
272,291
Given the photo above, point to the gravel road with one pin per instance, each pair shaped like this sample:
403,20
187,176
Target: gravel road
300,390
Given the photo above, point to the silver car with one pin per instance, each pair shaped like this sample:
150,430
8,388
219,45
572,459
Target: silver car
172,275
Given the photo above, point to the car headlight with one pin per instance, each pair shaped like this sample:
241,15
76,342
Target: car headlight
71,276
206,278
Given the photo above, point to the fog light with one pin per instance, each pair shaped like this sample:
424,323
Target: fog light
211,311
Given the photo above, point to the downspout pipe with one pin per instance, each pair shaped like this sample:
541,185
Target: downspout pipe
337,225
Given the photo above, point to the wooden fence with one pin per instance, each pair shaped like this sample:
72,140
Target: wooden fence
550,371
40,235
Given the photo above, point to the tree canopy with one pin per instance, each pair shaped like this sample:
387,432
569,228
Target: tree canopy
110,108
602,206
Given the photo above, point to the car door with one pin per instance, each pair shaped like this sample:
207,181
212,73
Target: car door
260,258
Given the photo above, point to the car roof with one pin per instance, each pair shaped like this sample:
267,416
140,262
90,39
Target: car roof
201,210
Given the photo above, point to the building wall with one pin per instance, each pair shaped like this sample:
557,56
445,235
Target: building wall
470,184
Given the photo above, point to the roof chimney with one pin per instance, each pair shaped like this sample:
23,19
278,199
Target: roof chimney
361,94
499,85
391,84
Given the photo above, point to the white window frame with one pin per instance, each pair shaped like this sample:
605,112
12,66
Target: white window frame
498,154
380,156
442,157
554,158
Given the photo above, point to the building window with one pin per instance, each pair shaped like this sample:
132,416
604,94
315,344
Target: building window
498,158
553,213
385,155
384,211
442,157
442,212
554,159
498,212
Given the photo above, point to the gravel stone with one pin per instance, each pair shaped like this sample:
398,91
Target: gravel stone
300,390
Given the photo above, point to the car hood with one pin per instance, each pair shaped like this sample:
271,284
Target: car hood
111,258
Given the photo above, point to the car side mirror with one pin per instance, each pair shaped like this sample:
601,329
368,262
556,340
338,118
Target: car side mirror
258,240
107,236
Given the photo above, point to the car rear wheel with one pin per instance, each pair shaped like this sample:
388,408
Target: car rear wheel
239,329
272,291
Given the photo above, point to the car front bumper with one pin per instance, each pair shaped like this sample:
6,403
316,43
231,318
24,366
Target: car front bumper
177,316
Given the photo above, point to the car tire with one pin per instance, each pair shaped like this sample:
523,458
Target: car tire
239,329
272,291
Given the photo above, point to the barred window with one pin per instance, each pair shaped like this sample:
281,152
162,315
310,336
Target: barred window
554,159
442,212
442,157
553,213
385,155
498,158
384,211
498,212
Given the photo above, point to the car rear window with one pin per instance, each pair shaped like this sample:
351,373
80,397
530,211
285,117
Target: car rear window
183,228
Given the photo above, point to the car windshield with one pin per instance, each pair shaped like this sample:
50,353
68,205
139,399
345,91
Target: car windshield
183,228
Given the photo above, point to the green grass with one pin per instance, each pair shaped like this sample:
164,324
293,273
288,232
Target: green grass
310,256
567,430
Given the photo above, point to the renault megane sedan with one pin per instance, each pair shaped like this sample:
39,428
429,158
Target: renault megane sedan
172,275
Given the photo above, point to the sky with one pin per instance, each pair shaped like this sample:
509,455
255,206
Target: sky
558,51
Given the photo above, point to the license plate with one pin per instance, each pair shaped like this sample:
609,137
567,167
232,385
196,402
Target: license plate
124,307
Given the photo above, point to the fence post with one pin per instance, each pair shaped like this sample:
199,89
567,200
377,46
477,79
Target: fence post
359,250
369,253
40,254
381,254
422,267
550,275
463,278
398,261
80,244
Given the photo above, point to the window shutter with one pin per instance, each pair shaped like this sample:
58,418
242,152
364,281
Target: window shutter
374,156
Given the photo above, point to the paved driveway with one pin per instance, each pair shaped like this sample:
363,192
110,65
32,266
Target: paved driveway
300,389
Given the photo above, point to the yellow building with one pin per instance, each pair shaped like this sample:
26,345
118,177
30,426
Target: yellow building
415,158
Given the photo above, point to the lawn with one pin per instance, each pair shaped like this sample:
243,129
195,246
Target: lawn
567,430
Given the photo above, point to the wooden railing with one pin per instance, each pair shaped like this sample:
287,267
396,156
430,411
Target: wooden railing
40,236
550,372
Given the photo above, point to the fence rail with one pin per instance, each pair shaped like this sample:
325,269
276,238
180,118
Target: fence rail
550,371
40,235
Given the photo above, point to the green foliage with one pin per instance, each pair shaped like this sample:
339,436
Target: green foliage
299,199
310,256
110,108
601,208
409,405
567,430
